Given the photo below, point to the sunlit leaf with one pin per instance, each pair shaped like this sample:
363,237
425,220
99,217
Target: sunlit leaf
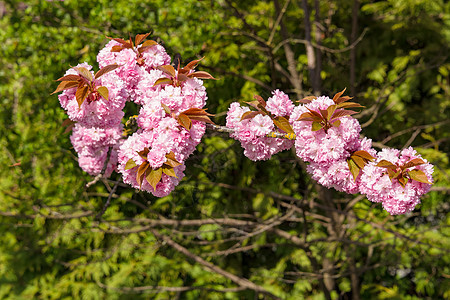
418,175
330,111
338,95
140,174
201,75
70,77
307,100
184,121
364,154
316,126
349,105
65,85
140,37
105,70
403,181
386,164
85,73
260,100
81,94
191,65
250,115
149,43
354,169
154,176
359,161
336,123
143,154
103,91
283,124
168,69
169,172
116,48
166,108
413,163
163,80
130,164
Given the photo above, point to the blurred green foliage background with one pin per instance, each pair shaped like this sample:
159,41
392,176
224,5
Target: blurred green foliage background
393,55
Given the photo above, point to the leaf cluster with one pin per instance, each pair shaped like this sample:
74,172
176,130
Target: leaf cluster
404,173
282,123
129,44
85,83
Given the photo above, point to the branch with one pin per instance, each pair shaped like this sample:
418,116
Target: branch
242,282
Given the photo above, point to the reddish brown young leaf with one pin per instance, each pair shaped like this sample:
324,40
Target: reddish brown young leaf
143,154
117,48
140,174
168,69
307,100
69,128
201,75
260,100
172,163
253,104
364,154
154,176
119,40
182,77
316,126
149,43
70,77
413,163
342,113
204,119
85,73
338,95
349,105
140,37
315,113
340,100
184,121
163,80
353,167
103,91
418,175
324,113
81,94
67,122
403,181
283,124
130,164
194,111
359,161
105,70
191,65
309,117
250,115
386,164
65,85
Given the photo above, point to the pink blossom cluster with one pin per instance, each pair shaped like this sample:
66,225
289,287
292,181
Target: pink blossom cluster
252,133
98,127
378,187
97,136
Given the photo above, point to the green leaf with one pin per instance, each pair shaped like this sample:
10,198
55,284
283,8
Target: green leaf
130,164
103,91
169,171
330,111
316,126
354,169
